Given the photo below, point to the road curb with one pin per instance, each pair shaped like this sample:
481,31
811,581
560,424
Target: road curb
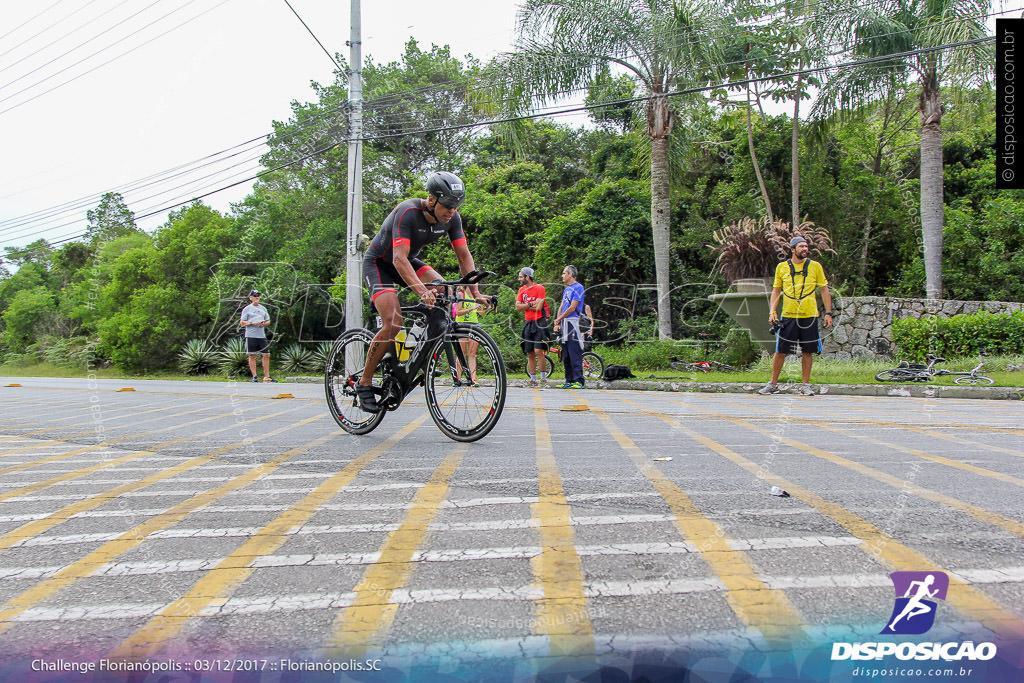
888,390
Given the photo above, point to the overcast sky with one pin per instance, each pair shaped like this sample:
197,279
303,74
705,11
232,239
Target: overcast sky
185,79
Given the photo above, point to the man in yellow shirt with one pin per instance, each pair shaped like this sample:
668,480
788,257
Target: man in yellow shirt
796,280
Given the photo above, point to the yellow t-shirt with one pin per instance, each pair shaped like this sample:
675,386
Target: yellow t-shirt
792,305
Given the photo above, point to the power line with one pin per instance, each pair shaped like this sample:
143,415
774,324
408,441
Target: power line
559,112
127,52
329,55
31,19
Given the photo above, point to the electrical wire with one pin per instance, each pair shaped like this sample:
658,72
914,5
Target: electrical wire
329,55
381,134
559,112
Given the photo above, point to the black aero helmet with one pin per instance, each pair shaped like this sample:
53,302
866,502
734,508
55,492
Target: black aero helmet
448,189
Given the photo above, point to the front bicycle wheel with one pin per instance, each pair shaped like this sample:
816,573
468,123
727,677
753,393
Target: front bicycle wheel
593,365
974,380
463,412
344,368
723,367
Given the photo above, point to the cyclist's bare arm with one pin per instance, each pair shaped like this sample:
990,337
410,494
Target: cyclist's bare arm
467,265
405,269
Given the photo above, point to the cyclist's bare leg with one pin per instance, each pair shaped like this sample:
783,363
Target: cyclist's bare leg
390,311
391,322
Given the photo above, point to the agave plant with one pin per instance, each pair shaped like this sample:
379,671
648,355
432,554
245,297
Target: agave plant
752,248
198,357
295,358
232,359
319,356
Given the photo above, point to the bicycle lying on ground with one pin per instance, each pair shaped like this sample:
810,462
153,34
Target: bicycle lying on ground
700,366
918,372
461,411
593,364
704,365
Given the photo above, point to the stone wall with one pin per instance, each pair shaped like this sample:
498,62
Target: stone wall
863,327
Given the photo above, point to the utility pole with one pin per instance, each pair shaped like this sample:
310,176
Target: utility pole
354,261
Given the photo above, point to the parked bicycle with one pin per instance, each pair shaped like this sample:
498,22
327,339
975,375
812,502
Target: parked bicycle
593,364
461,410
923,372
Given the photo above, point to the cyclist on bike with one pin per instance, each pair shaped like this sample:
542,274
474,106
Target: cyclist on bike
391,261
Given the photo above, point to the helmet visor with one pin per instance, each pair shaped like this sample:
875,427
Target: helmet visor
450,202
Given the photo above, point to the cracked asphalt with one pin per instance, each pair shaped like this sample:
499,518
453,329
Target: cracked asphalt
196,520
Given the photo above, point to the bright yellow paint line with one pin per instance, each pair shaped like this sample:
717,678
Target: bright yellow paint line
937,423
949,462
766,609
87,449
995,519
51,442
364,624
880,545
38,526
562,613
134,537
922,430
218,584
106,411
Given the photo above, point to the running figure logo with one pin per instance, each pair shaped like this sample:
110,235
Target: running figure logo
913,612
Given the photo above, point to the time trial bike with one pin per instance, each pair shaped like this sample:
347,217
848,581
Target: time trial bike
428,354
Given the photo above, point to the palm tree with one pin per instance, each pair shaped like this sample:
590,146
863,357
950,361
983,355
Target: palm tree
664,45
923,27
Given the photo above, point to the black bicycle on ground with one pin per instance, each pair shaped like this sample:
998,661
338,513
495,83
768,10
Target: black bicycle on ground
428,355
922,372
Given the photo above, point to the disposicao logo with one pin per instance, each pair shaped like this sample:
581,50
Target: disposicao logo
916,592
914,614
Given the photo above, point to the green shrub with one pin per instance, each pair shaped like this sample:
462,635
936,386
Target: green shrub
295,358
960,335
318,357
232,359
198,357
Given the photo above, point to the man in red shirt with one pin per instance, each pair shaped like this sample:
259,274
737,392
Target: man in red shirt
530,300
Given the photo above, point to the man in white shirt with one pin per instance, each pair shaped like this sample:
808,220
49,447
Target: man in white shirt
254,318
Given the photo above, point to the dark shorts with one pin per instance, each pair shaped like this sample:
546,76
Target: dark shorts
382,276
254,345
798,335
535,336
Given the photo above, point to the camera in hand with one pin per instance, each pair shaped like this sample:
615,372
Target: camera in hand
774,326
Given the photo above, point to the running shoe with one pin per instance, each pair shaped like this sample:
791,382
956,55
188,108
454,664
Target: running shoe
769,389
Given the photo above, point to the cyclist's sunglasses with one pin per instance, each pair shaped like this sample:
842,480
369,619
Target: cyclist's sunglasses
449,202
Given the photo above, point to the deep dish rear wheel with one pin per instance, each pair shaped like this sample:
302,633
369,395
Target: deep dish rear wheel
344,368
461,411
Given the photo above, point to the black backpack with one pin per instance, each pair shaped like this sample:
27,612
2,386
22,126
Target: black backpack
614,372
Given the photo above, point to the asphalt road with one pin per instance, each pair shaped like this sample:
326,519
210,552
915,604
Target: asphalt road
199,521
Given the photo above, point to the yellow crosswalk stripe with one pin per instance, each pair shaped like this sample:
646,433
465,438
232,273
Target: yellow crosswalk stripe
880,545
766,609
46,523
562,613
220,583
995,519
134,537
367,621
